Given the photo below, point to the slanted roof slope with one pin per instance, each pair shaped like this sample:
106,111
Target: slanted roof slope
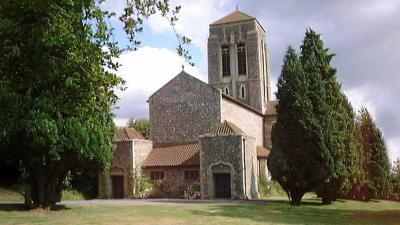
234,17
174,155
127,133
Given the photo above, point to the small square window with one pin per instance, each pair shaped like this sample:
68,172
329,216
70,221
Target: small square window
192,175
157,175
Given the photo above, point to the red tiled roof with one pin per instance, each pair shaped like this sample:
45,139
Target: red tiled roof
271,108
226,127
236,16
126,133
262,152
176,155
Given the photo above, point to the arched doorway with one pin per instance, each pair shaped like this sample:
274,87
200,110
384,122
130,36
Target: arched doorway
222,185
221,179
117,182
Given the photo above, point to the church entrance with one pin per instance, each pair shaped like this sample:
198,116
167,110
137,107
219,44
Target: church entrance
117,186
222,184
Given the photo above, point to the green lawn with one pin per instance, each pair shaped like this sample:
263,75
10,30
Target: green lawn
275,212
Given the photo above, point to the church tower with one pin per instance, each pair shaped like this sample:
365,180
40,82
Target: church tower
238,59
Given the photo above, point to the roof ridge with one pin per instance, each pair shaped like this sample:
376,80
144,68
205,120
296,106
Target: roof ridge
175,145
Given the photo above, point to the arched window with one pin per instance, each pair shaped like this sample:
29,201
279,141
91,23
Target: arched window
241,57
226,90
226,61
242,92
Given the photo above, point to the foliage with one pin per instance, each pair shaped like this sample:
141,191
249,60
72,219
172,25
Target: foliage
142,125
396,178
192,191
143,185
375,158
293,159
315,144
56,102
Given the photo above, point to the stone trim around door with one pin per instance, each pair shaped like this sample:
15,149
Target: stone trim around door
210,175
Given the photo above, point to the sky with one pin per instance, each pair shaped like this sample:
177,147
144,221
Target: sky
364,35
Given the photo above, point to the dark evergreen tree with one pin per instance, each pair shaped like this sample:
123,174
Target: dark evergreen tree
327,126
376,162
337,119
396,179
296,137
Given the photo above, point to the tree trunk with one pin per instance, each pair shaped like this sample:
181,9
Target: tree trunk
296,197
326,200
44,186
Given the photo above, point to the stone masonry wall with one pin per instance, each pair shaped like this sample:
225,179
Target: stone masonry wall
121,164
174,182
269,121
251,169
223,151
251,34
183,109
250,122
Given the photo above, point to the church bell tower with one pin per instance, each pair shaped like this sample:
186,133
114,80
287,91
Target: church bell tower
238,61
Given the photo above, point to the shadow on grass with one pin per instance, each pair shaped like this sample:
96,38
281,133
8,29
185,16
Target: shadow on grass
19,207
279,212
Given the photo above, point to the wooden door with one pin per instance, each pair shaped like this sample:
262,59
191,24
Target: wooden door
222,183
117,186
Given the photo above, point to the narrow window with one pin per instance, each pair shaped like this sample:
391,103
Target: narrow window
226,90
192,175
241,56
242,92
157,175
226,62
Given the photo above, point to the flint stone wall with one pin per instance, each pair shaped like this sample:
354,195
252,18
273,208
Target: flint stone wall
183,109
174,182
221,151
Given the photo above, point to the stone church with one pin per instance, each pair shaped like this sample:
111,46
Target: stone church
216,134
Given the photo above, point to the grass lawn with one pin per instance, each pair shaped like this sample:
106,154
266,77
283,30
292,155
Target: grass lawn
274,212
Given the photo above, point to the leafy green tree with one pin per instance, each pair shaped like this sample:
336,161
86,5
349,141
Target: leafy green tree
142,125
57,83
376,161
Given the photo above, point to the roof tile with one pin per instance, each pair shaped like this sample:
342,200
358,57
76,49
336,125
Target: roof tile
226,127
176,155
262,152
236,16
127,133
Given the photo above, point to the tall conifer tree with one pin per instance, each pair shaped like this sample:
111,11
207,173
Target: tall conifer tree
376,161
295,159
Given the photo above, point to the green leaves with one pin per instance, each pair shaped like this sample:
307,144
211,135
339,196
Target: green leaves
55,93
313,135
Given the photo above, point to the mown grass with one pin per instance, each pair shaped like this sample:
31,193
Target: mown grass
272,211
269,212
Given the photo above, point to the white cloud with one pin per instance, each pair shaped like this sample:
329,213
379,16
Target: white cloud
393,145
358,99
194,18
145,71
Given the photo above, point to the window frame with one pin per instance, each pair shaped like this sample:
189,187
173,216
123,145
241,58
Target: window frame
242,91
226,69
192,175
157,175
240,57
